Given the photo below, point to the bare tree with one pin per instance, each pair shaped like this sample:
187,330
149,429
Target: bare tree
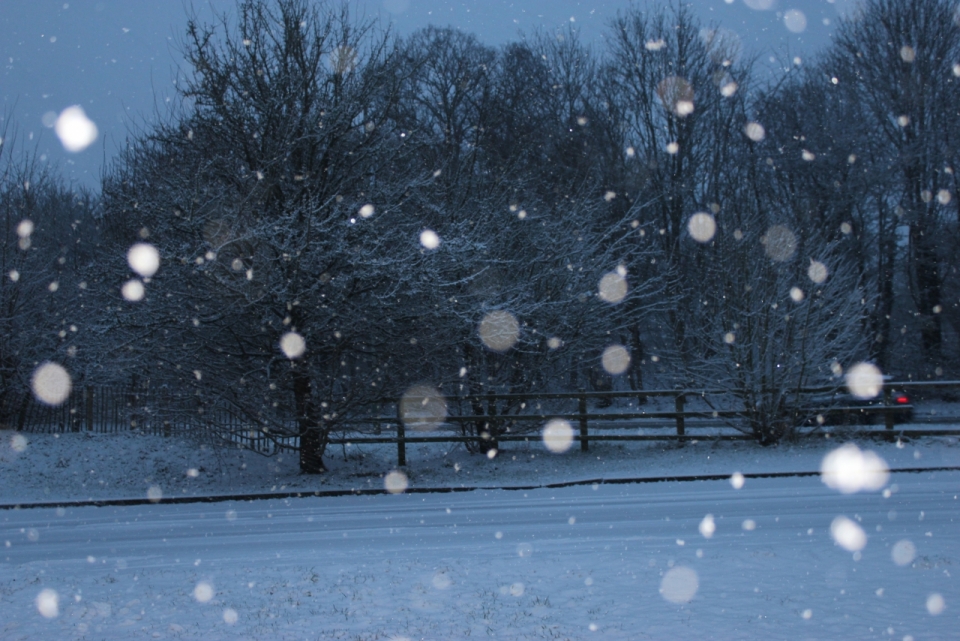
782,314
898,61
675,107
823,167
269,199
47,239
519,240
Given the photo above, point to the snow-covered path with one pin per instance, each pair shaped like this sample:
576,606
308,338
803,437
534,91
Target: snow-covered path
576,563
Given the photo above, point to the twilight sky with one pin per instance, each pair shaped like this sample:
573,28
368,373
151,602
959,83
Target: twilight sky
117,58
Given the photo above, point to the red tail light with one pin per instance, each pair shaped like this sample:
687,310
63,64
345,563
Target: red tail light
902,399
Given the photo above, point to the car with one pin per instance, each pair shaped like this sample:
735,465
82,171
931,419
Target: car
844,408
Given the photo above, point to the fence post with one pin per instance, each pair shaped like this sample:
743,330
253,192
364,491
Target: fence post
681,425
493,426
887,413
88,406
584,441
401,436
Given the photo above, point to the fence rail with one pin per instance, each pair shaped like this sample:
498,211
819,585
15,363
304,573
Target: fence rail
505,418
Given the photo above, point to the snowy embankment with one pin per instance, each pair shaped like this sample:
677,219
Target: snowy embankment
49,467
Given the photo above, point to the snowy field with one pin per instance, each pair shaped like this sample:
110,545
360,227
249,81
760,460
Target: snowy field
773,560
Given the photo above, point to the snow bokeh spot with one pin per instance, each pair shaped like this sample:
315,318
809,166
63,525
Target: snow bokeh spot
847,534
230,616
795,21
396,482
755,131
366,211
615,359
817,272
423,408
737,480
702,227
18,443
864,380
676,94
343,60
75,131
48,603
133,290
25,228
708,526
848,469
144,259
779,243
499,330
903,552
936,604
51,384
558,436
292,345
679,584
429,239
203,592
154,493
613,287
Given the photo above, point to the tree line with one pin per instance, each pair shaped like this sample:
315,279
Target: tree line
342,214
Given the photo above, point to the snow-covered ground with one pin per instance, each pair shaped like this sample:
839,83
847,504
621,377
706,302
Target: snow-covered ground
777,558
603,562
49,467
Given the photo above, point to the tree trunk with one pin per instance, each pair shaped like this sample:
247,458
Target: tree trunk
637,357
882,328
313,443
927,292
313,438
488,430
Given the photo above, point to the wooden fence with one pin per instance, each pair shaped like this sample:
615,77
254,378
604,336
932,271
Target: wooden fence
689,415
690,418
